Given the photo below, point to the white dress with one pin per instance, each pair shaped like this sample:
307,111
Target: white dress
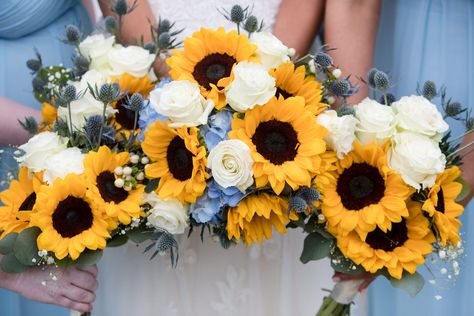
260,280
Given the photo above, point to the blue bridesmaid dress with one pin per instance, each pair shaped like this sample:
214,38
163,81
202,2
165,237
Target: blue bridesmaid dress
24,26
421,40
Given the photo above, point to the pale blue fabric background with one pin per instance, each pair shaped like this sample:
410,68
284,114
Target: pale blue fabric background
25,25
420,40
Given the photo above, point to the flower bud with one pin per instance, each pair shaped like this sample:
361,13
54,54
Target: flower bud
381,80
73,35
429,90
251,24
237,14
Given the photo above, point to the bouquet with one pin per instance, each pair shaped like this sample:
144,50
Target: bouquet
239,140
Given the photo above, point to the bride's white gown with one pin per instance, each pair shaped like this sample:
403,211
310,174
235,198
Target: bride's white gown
260,280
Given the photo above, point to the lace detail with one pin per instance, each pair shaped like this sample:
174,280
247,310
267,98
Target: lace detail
232,293
194,14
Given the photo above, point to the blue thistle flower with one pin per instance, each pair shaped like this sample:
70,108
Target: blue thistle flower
309,194
390,99
92,126
111,24
135,102
81,64
237,14
69,93
109,92
429,90
381,81
323,59
164,40
297,204
120,7
34,65
345,110
453,109
370,77
38,84
73,35
340,87
251,24
151,47
164,26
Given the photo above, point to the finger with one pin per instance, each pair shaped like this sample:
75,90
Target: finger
365,284
76,306
84,280
91,269
79,295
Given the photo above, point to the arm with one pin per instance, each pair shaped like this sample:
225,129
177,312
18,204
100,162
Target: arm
136,23
74,287
468,169
351,27
298,22
10,130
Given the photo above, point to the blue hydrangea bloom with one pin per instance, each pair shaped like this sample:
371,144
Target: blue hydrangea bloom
208,208
148,115
217,128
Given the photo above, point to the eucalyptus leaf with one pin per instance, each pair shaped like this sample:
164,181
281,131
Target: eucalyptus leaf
10,264
410,283
117,241
7,242
139,235
152,185
25,247
344,265
89,258
65,263
316,247
466,189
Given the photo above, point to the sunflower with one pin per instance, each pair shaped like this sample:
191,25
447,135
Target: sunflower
208,57
178,160
119,204
403,247
125,118
69,218
285,143
363,192
441,205
255,216
291,82
18,201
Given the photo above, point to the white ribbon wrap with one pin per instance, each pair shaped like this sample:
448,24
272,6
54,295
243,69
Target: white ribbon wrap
344,292
74,313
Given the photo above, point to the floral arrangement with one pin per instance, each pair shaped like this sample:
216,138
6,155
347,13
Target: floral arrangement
240,139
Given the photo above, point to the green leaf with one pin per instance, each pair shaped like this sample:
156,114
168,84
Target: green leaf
10,264
6,243
316,247
410,283
89,258
466,189
152,185
25,247
64,263
345,265
140,235
117,241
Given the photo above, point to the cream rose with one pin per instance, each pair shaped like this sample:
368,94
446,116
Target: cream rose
96,48
417,114
133,60
341,131
375,122
168,214
59,165
231,164
39,149
270,50
417,158
181,101
252,86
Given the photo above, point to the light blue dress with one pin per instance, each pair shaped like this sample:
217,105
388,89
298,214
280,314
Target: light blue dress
25,25
420,40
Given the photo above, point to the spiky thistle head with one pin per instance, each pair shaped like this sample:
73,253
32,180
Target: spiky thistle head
323,60
429,90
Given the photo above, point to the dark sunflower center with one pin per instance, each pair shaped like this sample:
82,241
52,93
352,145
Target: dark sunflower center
180,159
389,240
440,206
276,141
283,93
72,216
124,116
28,203
213,68
359,186
108,191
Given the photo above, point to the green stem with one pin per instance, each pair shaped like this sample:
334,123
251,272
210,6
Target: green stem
461,136
460,149
330,307
71,132
385,97
102,125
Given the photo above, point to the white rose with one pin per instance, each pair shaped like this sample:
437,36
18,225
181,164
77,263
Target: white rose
375,122
40,148
87,105
341,131
168,214
417,158
133,60
417,114
181,101
270,49
231,164
59,165
96,48
252,86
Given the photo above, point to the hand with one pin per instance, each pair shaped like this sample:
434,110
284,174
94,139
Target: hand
69,287
367,277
